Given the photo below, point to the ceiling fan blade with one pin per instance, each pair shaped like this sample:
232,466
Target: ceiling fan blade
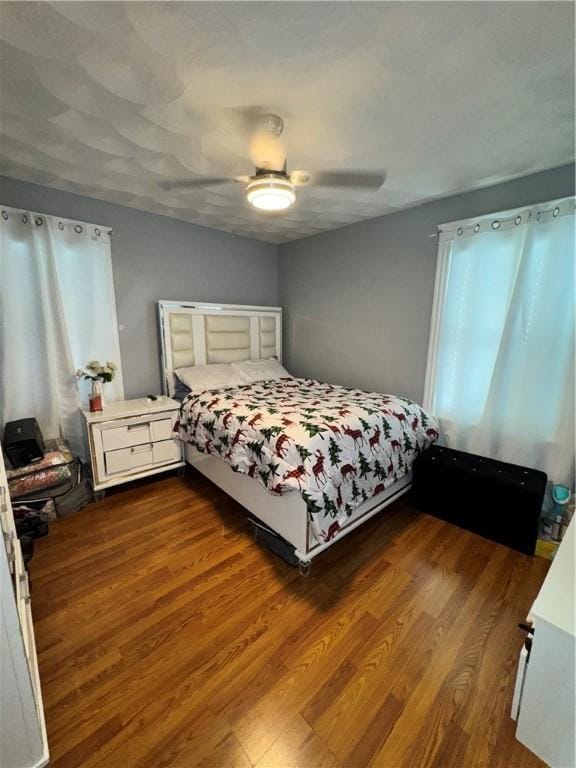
198,181
242,120
267,151
351,179
300,178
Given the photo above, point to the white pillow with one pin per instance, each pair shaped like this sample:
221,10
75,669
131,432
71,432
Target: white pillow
261,370
216,376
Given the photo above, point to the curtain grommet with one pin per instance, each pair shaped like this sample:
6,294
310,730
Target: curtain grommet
5,215
495,224
24,218
78,229
60,226
38,221
556,211
477,228
517,220
538,216
459,231
97,232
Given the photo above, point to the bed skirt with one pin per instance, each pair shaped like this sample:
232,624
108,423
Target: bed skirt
287,514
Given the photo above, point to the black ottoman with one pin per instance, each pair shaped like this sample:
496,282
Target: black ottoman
499,501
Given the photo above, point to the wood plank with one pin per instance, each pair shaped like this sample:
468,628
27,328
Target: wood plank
166,637
298,747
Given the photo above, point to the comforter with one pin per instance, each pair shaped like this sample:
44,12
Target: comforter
337,447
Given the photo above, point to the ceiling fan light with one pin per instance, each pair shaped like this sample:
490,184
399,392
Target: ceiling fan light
271,194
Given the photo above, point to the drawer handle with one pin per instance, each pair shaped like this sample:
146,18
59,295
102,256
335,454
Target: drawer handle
132,427
528,628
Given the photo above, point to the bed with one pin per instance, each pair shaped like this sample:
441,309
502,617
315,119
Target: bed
311,461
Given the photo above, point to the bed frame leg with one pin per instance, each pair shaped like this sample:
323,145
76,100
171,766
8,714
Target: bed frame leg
304,567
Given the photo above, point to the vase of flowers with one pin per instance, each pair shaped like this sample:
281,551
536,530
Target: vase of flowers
98,373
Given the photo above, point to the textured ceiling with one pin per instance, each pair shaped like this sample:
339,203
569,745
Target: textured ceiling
108,99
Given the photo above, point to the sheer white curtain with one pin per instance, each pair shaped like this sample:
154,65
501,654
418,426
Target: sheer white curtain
500,373
57,311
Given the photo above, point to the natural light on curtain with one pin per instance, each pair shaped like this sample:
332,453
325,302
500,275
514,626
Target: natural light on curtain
57,312
500,373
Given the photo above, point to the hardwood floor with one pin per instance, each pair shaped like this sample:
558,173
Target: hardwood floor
167,637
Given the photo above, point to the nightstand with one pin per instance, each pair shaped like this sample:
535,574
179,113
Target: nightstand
131,439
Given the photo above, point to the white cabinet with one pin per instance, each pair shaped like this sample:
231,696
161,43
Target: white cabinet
132,439
545,686
23,742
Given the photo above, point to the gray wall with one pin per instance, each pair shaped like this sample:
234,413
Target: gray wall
156,257
358,300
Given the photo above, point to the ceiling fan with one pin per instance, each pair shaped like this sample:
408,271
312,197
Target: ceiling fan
272,187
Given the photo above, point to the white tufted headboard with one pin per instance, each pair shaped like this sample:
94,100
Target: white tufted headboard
195,333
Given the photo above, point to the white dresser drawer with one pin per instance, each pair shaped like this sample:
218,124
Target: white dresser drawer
9,544
19,568
7,529
23,604
128,459
6,515
125,436
22,590
23,733
132,459
166,450
161,429
132,439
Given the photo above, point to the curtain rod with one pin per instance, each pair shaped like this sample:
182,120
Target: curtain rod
25,213
515,216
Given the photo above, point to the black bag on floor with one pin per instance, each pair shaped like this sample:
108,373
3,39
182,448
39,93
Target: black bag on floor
273,541
32,526
27,548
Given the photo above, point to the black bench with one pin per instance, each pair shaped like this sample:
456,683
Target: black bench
497,500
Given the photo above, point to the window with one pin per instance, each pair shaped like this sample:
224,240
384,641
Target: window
57,311
500,374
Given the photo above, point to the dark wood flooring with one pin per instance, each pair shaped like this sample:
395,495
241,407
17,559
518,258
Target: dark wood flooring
167,637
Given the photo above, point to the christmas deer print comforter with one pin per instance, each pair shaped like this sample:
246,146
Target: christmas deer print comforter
337,447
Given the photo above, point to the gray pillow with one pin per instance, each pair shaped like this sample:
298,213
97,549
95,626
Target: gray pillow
181,389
